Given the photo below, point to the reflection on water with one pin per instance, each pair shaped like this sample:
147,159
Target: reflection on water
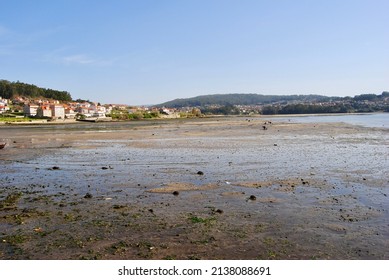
368,120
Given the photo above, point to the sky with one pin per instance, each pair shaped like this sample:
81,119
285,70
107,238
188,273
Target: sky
141,52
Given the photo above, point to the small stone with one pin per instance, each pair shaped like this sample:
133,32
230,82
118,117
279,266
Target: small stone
38,229
219,211
104,168
176,193
55,168
88,195
200,173
252,197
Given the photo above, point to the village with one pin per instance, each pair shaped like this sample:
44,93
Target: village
52,110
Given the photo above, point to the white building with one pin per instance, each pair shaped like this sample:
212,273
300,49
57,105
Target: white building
3,105
30,109
44,111
57,111
70,113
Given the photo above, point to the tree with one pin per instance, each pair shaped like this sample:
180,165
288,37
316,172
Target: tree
9,90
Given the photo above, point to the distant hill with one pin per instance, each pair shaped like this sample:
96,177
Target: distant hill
12,89
241,99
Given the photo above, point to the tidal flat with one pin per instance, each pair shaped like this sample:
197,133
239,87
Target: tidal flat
218,188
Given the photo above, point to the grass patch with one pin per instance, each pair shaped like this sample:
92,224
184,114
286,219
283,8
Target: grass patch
16,239
119,248
10,201
14,119
199,220
146,249
173,257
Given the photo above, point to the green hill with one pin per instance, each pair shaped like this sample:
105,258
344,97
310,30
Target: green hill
241,99
12,89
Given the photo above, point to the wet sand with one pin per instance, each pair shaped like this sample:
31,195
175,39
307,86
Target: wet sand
220,188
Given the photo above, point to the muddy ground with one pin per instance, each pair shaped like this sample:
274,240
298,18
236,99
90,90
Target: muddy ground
194,189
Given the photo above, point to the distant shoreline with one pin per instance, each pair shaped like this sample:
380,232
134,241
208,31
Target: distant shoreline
72,121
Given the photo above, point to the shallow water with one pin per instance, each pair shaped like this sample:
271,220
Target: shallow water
379,120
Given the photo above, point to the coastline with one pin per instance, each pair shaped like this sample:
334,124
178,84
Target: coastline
72,121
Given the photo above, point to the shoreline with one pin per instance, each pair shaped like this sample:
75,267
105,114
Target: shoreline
72,121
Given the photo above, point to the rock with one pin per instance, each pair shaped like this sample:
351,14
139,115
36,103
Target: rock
88,195
200,173
252,197
176,193
219,211
55,168
38,229
104,168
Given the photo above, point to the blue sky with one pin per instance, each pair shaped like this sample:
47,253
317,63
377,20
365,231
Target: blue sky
151,51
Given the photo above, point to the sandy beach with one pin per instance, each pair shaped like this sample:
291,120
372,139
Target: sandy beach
218,188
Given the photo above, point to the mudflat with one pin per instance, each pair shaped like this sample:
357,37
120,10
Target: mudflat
220,188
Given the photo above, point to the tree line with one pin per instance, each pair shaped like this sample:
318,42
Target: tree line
10,90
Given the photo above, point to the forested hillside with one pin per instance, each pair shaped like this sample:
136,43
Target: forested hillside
228,104
9,90
242,99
